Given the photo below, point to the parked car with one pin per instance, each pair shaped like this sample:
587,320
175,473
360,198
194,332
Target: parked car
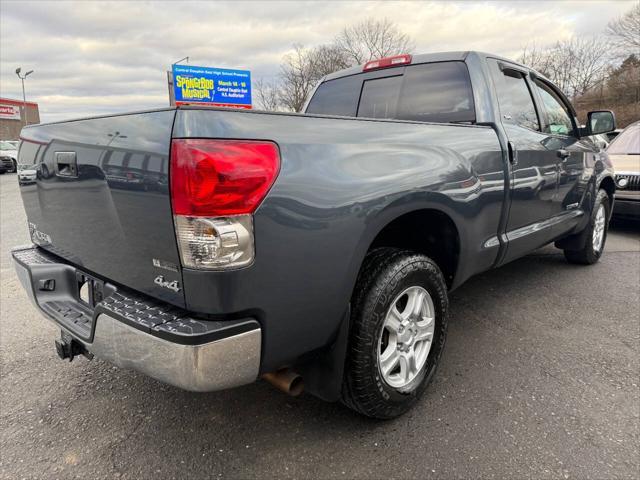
27,174
119,177
314,250
611,135
624,152
8,157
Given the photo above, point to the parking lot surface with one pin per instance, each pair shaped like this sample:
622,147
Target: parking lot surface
539,379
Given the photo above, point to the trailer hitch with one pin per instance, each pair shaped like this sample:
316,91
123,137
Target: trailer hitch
68,347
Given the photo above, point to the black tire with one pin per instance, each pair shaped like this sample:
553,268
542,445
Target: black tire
385,274
588,255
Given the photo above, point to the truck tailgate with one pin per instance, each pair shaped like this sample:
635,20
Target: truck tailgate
100,198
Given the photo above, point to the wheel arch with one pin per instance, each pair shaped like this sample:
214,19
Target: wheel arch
608,185
323,372
429,228
428,231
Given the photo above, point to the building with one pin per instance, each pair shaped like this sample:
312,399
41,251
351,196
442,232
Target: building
13,117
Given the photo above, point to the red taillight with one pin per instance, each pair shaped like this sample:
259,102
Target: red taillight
387,62
213,178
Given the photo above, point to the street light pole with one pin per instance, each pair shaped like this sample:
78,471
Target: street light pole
170,80
24,96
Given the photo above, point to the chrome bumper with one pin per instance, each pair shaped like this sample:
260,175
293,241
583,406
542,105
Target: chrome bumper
208,361
216,365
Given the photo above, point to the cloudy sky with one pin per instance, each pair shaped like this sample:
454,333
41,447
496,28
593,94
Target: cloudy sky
99,57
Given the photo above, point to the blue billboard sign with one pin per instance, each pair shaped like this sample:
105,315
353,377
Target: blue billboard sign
220,87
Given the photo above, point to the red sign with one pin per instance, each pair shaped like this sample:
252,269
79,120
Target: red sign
9,112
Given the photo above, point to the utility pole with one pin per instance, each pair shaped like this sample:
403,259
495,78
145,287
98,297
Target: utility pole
24,96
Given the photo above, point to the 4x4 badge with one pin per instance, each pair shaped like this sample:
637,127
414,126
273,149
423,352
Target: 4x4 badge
171,285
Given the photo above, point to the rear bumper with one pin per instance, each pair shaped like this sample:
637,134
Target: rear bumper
137,332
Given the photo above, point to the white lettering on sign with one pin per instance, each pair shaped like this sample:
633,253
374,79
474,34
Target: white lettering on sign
10,112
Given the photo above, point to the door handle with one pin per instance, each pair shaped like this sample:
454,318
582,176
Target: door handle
513,153
563,154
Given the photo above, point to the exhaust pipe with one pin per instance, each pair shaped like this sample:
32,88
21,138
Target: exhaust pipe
286,380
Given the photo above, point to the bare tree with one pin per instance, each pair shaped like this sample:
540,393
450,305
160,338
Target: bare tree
295,79
620,93
536,57
590,62
372,39
574,65
267,95
625,32
623,83
327,59
302,69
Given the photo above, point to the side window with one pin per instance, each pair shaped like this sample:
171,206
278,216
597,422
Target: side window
558,117
514,98
379,97
437,92
28,153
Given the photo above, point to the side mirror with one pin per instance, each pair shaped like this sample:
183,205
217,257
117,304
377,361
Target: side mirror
600,121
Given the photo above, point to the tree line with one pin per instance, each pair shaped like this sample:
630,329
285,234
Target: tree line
597,72
302,69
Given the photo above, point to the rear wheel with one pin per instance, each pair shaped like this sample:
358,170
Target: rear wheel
595,231
397,332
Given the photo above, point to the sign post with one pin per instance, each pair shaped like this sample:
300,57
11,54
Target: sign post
218,87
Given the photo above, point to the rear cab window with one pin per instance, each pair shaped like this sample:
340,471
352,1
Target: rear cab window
429,92
379,98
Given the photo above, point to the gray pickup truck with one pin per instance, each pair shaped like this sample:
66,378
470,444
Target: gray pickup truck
209,247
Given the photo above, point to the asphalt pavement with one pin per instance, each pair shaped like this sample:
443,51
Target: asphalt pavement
539,379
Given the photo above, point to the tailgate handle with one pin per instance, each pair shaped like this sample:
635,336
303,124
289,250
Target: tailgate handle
66,164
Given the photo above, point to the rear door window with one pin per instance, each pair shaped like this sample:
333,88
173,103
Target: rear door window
514,98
